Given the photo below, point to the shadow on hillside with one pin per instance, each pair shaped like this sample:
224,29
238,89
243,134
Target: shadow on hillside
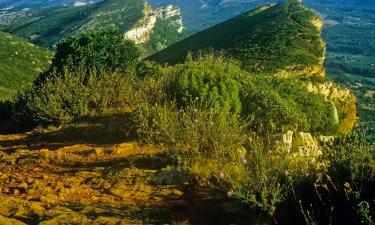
104,130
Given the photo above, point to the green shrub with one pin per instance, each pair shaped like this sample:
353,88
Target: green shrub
320,113
270,112
278,105
197,128
269,174
210,79
74,95
351,159
105,51
90,74
207,138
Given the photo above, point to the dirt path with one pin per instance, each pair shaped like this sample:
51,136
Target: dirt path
85,174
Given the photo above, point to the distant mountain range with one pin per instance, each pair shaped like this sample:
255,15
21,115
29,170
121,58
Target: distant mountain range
153,28
21,4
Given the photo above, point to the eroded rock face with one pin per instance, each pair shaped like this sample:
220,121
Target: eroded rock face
141,32
144,28
173,14
344,101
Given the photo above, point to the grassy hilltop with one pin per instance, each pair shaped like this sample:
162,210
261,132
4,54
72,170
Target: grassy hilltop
273,38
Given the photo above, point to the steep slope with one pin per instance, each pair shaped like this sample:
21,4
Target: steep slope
283,38
199,15
135,18
20,64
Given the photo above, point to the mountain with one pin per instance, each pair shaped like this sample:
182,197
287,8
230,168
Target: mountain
278,38
199,15
21,4
20,64
136,19
283,40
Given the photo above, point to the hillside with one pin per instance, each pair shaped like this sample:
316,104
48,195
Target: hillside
274,38
21,4
136,19
283,40
20,64
199,15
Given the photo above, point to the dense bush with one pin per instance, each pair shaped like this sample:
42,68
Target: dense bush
90,74
198,128
207,138
5,110
320,113
209,79
104,50
278,105
74,95
271,113
352,159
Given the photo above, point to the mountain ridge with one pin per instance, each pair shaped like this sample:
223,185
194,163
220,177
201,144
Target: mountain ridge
137,20
289,42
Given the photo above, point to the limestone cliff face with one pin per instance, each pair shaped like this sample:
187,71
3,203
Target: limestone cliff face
344,101
315,70
141,32
144,28
172,14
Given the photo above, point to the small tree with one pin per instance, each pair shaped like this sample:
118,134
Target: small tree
89,75
105,50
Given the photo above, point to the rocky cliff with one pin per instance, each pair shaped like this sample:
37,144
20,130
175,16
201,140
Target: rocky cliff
343,99
136,19
142,31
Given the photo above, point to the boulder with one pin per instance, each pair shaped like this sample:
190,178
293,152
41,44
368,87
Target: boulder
9,221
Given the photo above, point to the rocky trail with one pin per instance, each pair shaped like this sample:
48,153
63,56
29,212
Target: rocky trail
88,173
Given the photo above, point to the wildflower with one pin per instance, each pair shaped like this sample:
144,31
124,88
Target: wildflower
288,143
270,151
243,160
196,98
230,193
195,110
222,175
286,173
277,142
